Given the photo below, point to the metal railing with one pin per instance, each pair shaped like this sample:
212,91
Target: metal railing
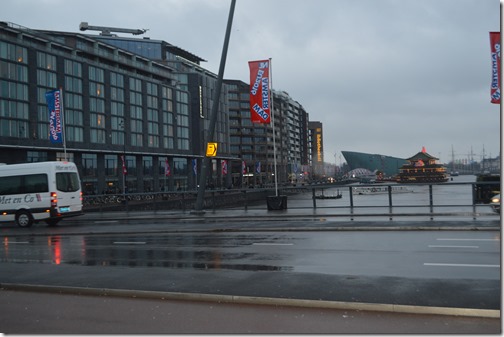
355,200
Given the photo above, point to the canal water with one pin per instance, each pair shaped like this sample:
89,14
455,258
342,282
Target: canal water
454,196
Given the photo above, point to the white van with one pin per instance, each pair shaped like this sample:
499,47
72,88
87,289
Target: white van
42,191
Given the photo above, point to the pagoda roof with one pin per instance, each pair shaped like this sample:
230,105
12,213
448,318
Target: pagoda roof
423,156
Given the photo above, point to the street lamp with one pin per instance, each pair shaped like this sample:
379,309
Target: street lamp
122,126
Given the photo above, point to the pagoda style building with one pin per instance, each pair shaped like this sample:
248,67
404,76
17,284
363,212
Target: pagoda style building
422,168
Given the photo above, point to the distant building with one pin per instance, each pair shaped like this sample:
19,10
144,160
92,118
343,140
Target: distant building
253,142
316,137
374,162
143,100
122,96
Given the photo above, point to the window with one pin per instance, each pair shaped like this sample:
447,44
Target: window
136,112
74,112
13,52
97,105
89,165
167,117
118,129
110,165
31,183
67,182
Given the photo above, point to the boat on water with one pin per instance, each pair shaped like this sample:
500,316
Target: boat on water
380,190
333,196
422,168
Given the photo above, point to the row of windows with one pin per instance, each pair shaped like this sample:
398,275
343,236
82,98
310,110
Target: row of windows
113,165
13,128
11,52
12,68
13,71
13,109
13,90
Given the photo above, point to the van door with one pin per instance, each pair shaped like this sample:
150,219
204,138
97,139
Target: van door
68,190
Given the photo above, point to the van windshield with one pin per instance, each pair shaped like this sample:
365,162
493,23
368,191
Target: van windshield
67,182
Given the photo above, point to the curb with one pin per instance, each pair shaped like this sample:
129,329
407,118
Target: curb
160,295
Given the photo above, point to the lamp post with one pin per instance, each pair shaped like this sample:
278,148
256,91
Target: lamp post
335,165
122,126
213,118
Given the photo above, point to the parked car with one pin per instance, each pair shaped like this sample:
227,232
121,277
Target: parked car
495,203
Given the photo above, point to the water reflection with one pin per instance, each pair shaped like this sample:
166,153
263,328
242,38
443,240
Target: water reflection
176,252
54,243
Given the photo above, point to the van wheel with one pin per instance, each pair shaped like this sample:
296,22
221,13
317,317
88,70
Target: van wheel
52,222
24,219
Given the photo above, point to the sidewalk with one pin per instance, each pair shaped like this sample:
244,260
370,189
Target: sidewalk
296,219
27,312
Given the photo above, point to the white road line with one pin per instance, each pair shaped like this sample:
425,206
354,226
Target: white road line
440,246
129,243
448,239
18,243
462,265
271,244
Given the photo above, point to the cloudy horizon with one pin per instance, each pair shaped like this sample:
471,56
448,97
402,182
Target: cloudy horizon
383,76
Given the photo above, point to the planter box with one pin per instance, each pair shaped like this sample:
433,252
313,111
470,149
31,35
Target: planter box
276,202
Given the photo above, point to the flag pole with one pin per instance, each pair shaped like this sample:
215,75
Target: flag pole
273,122
62,111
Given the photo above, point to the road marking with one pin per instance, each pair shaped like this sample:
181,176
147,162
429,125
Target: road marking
440,246
271,244
18,242
129,243
462,265
448,239
106,221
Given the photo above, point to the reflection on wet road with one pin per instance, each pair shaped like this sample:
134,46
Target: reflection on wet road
171,251
410,254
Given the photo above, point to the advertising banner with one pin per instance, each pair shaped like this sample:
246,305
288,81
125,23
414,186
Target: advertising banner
53,99
495,47
258,167
195,166
124,169
259,91
167,170
224,167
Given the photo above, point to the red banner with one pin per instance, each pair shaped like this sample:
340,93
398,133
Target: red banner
124,169
224,167
495,47
167,170
259,91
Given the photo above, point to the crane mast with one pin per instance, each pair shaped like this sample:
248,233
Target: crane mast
107,31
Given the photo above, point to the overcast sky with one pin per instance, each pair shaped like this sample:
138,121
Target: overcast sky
383,76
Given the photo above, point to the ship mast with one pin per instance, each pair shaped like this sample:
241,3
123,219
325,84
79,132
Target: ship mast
453,159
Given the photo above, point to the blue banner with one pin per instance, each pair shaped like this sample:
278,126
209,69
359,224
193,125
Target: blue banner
53,99
195,166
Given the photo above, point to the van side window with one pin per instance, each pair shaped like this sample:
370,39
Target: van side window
31,183
35,183
67,182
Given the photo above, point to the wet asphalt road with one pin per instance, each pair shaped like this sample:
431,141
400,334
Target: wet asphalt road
88,270
381,266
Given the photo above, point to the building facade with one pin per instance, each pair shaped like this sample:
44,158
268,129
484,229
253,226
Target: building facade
280,147
137,114
119,107
316,138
